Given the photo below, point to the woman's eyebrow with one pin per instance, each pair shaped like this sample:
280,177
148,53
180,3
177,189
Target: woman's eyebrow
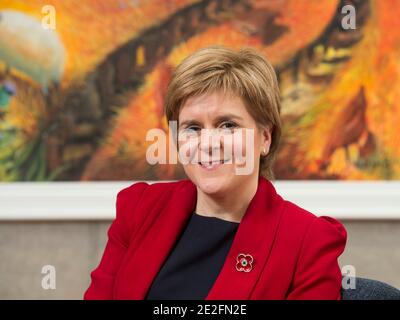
222,117
227,116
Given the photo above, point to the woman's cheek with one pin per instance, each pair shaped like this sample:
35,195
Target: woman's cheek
240,146
245,155
188,151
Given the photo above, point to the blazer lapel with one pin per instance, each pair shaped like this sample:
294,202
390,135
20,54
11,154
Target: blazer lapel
254,236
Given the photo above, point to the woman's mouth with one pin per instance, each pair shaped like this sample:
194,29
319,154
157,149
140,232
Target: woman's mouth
211,165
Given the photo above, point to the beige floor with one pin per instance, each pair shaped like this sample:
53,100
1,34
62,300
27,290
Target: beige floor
74,248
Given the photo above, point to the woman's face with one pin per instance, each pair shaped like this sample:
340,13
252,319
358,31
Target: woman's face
219,142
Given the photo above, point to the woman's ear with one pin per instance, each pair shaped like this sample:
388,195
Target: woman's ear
266,133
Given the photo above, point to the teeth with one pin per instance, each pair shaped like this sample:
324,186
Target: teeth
211,164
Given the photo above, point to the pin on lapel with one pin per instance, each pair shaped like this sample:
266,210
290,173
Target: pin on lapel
244,262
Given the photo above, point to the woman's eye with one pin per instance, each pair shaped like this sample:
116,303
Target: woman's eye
192,129
229,126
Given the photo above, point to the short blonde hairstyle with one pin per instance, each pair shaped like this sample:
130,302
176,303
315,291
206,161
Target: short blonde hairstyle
245,73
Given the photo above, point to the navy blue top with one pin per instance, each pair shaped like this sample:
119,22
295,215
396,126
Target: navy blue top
194,263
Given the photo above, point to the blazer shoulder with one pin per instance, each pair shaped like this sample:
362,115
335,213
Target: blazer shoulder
147,189
134,189
141,194
298,214
306,221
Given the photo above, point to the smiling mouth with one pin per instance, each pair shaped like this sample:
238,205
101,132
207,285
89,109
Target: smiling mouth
212,164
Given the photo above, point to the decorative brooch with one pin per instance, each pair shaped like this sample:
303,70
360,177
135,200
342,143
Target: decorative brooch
244,262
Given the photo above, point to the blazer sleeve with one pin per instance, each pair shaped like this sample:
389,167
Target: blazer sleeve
318,275
102,277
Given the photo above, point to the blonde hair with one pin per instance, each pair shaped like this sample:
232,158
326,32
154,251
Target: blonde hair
245,73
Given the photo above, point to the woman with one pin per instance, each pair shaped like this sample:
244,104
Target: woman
222,233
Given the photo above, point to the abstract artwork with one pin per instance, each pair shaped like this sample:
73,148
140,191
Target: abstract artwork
77,100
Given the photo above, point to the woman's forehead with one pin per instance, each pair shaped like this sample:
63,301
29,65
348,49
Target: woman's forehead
212,104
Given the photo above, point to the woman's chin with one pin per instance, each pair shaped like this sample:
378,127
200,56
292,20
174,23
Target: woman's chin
211,186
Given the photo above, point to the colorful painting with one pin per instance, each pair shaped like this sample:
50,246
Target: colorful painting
77,100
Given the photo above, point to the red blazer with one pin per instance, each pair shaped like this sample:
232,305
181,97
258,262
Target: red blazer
295,253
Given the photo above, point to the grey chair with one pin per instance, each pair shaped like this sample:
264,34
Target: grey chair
367,289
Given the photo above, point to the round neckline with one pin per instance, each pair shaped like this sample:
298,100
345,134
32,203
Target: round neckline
216,219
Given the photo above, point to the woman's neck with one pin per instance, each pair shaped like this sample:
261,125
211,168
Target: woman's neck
230,206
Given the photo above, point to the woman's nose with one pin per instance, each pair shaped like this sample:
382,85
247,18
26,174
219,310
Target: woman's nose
210,139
